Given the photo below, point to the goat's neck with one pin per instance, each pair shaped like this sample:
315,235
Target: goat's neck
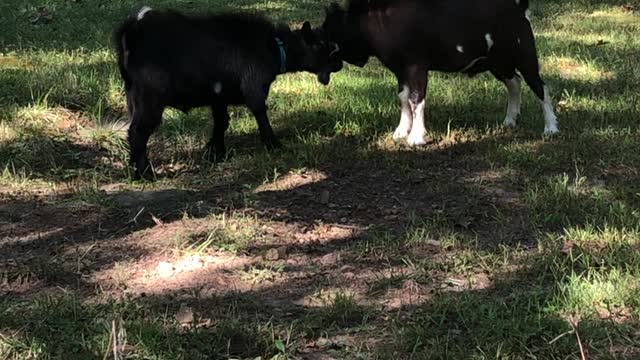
293,47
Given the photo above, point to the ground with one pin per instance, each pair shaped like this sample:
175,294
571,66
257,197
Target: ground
485,243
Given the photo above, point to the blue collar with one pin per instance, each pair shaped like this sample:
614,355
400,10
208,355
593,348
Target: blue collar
283,56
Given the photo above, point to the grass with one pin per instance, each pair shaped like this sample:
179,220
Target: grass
485,243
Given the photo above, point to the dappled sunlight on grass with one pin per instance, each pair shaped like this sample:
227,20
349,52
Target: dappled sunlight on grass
596,271
49,120
485,243
7,132
566,41
568,68
609,23
611,18
610,296
563,201
14,62
292,180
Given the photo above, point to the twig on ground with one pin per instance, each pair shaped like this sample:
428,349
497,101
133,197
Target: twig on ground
574,327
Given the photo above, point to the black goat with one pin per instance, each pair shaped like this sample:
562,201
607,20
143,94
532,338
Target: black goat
412,37
170,59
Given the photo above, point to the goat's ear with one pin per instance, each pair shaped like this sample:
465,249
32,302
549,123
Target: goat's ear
307,33
306,27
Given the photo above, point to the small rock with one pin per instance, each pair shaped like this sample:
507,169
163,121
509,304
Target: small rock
271,255
432,242
324,197
165,269
323,343
185,315
330,259
454,282
282,252
347,268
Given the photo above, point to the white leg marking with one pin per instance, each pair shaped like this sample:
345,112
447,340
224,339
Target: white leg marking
513,107
489,41
406,116
217,87
143,12
460,49
527,15
550,119
418,131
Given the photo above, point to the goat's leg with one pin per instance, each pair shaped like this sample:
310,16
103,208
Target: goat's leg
417,79
512,83
527,64
256,102
216,151
146,115
406,115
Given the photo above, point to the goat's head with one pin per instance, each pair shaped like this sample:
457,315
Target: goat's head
341,27
320,55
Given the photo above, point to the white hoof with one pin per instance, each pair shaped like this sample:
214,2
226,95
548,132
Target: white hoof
401,132
509,122
551,130
416,139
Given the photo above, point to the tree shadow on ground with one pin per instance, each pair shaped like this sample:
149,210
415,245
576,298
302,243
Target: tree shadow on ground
379,196
379,206
384,187
510,316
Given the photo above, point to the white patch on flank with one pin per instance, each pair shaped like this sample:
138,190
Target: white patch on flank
418,130
489,41
550,119
217,87
460,49
513,107
473,62
527,15
406,117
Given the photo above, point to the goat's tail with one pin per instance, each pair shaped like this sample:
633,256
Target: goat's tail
123,45
124,42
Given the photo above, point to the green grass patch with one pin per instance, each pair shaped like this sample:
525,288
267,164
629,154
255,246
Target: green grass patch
512,241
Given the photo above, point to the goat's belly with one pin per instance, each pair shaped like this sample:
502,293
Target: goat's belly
185,99
470,66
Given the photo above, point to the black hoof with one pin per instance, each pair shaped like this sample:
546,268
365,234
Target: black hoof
216,156
273,144
146,173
